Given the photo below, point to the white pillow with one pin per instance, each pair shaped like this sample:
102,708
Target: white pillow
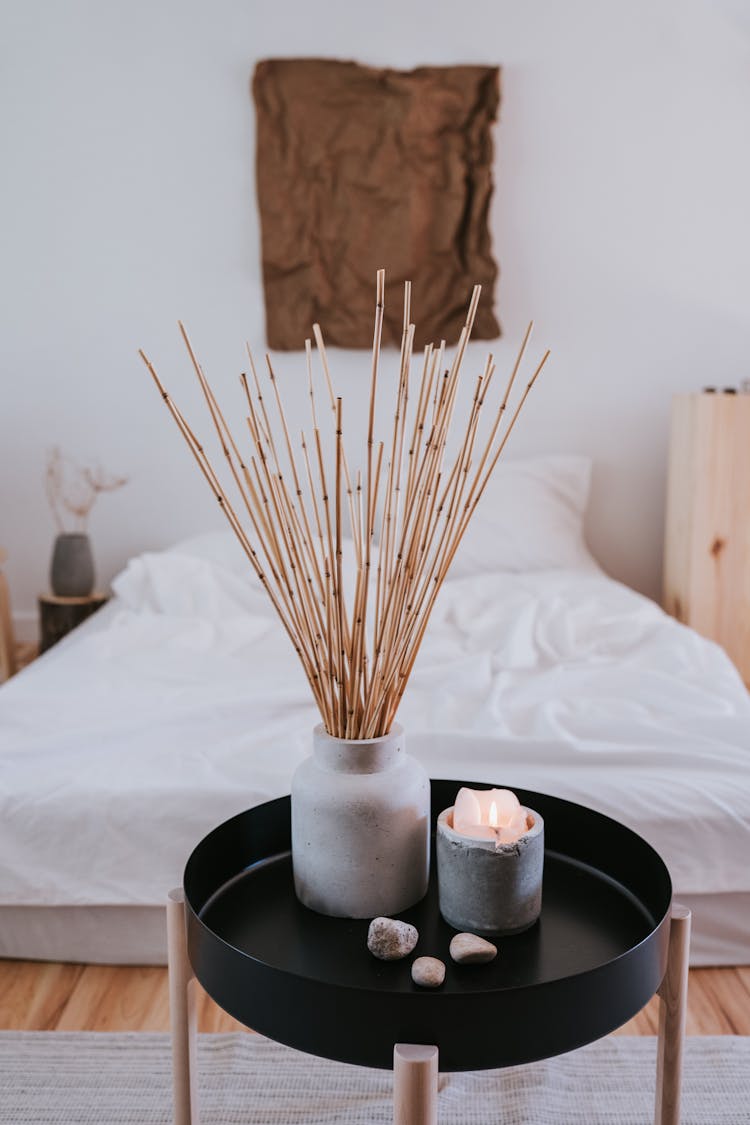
222,548
207,576
530,517
188,586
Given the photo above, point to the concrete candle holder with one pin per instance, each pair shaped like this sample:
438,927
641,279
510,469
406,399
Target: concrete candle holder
488,888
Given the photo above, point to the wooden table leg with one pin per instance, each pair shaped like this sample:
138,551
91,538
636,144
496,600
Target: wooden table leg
672,1013
181,1013
415,1084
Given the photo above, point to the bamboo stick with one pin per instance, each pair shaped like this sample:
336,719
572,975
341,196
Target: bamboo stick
307,538
358,657
343,715
412,642
329,383
282,610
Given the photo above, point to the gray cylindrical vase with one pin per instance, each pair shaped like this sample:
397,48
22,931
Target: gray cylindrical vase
360,826
72,569
487,888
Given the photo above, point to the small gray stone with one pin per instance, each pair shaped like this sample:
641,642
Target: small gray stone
428,972
391,940
468,949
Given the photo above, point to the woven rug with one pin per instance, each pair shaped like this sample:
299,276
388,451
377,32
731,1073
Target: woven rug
94,1078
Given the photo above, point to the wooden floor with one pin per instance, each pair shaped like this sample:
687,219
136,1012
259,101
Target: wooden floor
41,996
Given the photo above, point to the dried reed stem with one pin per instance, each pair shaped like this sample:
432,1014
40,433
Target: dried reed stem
358,658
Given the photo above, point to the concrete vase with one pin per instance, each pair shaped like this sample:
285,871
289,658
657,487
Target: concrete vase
360,826
72,569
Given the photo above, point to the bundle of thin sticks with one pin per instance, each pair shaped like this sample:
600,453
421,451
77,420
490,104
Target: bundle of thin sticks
358,657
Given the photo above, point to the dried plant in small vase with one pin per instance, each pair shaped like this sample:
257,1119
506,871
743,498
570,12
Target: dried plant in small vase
405,511
72,491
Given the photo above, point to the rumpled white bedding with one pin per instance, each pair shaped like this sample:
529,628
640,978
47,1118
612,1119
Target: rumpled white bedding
183,704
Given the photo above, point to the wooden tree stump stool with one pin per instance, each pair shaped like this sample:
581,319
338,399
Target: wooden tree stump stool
58,616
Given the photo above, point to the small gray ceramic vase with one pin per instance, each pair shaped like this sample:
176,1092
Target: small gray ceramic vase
487,888
72,570
360,826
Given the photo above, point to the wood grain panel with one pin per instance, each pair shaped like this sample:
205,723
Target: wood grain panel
33,994
115,998
707,535
44,996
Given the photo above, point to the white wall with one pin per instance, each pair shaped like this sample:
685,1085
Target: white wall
620,223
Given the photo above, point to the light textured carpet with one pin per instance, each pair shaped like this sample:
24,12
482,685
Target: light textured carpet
72,1078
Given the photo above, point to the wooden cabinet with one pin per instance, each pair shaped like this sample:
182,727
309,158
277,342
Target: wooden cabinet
707,543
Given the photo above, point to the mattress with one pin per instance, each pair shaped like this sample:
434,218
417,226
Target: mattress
181,704
137,935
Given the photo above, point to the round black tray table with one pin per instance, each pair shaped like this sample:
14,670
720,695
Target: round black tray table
608,938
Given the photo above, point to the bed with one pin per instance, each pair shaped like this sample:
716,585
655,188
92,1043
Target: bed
181,703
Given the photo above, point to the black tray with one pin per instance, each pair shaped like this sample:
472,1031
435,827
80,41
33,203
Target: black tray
595,957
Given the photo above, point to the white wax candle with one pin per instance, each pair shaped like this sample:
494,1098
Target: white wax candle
489,814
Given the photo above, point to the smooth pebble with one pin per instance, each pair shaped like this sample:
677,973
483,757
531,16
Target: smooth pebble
391,940
428,972
469,949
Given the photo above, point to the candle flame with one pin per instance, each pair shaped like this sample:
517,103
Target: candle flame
493,815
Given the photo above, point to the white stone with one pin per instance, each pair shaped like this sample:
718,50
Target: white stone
390,940
469,949
428,972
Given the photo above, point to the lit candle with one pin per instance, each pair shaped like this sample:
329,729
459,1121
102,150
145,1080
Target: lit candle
490,814
490,860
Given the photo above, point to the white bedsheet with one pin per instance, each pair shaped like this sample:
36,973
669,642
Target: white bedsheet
121,747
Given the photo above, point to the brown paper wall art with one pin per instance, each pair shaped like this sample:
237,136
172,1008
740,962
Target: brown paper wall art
359,167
